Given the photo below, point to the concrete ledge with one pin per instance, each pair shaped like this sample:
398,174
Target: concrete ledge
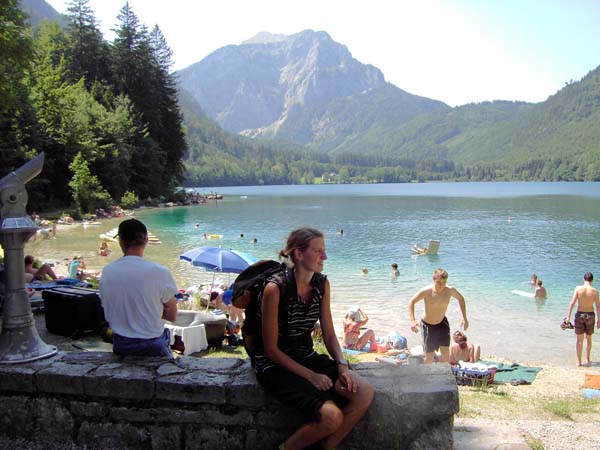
103,400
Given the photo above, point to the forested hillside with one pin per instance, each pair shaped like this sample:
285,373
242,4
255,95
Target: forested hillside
558,139
104,114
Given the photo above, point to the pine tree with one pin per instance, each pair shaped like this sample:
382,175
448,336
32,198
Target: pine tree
87,52
17,124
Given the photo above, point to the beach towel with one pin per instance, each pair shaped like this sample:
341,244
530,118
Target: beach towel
513,373
591,393
592,381
41,285
366,349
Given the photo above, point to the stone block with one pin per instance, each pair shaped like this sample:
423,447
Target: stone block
280,418
169,368
118,380
112,436
132,413
209,365
63,378
244,391
20,377
16,416
165,438
194,387
260,439
53,420
16,378
89,410
201,438
96,358
228,416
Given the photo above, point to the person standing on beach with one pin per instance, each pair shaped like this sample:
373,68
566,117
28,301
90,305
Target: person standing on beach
435,328
586,297
137,295
287,366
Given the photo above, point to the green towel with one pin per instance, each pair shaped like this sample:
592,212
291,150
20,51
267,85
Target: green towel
513,372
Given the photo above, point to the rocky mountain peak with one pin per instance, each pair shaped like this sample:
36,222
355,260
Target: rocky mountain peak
279,86
265,37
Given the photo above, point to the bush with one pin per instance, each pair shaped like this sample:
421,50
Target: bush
130,200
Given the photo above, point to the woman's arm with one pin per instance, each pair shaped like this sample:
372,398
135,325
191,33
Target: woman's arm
365,318
329,337
332,344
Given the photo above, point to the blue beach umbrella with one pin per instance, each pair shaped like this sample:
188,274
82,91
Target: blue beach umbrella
215,259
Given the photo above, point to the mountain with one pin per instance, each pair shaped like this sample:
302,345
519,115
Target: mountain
304,88
37,10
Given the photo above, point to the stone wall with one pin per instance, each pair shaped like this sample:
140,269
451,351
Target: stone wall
100,400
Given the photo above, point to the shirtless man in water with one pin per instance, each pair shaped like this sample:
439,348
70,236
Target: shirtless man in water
586,297
434,324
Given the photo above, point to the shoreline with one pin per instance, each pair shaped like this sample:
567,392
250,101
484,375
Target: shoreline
492,323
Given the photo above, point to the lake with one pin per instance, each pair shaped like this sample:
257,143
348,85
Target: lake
553,232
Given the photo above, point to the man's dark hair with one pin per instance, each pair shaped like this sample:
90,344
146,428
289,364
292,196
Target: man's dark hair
132,232
588,276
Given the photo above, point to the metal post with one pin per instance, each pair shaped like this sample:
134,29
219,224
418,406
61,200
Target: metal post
19,339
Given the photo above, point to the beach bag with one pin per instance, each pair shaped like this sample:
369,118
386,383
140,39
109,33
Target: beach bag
246,289
396,341
249,286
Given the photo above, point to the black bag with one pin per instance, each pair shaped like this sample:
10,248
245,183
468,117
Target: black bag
72,311
247,287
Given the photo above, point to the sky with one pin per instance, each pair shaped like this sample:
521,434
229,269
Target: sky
456,51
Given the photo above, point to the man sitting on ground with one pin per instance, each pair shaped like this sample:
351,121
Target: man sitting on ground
137,295
40,274
460,350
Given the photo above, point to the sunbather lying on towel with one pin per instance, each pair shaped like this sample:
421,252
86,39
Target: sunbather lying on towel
40,274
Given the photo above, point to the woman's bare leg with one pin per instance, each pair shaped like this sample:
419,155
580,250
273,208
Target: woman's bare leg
354,410
331,420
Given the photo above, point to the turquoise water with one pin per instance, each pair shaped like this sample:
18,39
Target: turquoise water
554,232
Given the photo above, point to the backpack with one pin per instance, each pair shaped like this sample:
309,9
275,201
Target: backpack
247,287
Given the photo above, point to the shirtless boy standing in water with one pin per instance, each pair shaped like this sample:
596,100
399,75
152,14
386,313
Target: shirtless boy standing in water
434,324
585,296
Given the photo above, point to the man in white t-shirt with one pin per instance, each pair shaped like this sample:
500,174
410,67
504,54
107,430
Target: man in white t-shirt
137,295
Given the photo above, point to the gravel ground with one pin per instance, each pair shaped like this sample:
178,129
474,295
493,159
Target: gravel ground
562,435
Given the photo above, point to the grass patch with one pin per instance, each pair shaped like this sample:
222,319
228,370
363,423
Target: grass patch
474,400
565,408
224,352
534,443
